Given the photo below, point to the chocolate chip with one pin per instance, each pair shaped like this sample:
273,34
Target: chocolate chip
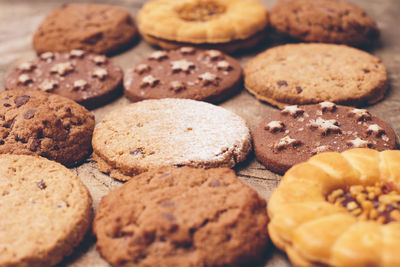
21,100
169,216
34,145
282,83
167,203
299,89
42,185
137,151
366,70
2,142
29,114
215,183
7,105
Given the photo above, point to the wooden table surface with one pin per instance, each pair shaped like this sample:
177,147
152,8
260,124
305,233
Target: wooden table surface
19,19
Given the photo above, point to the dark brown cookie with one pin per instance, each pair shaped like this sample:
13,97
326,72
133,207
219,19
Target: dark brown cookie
328,21
187,72
48,125
92,27
182,217
89,79
296,133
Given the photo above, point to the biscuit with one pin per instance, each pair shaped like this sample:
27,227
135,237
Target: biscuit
48,125
296,133
313,73
98,28
327,21
220,24
45,211
208,75
182,217
168,132
339,210
89,79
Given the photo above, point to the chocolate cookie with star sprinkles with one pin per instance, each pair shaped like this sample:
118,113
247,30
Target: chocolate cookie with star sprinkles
89,79
296,133
187,72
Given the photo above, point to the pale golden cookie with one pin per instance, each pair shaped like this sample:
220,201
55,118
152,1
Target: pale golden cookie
45,211
227,24
312,73
339,210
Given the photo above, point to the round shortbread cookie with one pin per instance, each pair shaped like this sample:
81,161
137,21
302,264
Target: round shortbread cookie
45,211
170,23
313,73
327,21
207,75
182,217
168,132
91,27
89,79
48,125
296,133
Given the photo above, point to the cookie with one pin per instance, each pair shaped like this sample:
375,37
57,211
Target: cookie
326,21
296,133
339,210
168,132
89,79
98,28
182,217
219,24
313,73
48,125
208,75
45,211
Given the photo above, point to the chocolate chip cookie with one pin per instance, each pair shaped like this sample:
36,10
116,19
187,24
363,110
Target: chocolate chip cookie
89,79
48,125
296,133
168,132
312,73
182,217
91,27
327,21
208,75
45,211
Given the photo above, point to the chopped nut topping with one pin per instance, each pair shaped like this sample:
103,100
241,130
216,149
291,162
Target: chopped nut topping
275,126
292,110
359,143
159,55
26,66
149,80
182,65
48,56
214,54
325,126
286,142
48,85
360,114
379,202
224,65
100,73
142,68
99,60
76,53
187,50
375,129
177,86
62,68
327,106
24,79
80,85
209,78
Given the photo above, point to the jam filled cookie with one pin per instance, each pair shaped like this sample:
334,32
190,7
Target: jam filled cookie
208,75
339,210
169,132
327,21
89,79
296,133
227,25
91,27
48,125
45,211
182,217
313,73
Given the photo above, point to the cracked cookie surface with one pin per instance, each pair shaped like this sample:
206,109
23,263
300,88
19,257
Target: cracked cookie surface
182,217
51,126
166,132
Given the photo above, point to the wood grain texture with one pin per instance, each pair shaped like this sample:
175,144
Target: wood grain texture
19,19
